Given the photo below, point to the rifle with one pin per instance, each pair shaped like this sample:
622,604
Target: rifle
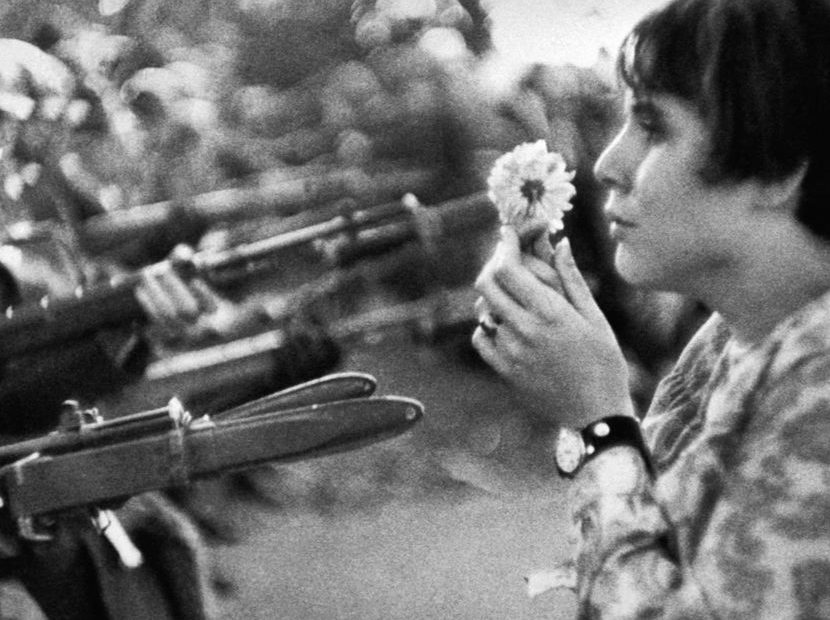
215,375
94,462
350,236
444,309
284,195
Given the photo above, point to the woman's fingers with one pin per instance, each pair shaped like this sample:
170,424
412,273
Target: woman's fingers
495,348
544,272
496,301
542,248
522,290
575,287
514,290
486,346
506,256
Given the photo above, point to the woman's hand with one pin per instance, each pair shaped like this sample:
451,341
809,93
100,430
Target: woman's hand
551,340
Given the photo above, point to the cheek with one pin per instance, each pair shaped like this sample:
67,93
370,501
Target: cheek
667,197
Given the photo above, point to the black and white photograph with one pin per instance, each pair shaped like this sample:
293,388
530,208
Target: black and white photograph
414,309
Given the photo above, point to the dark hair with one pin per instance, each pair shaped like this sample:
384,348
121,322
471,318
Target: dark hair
758,71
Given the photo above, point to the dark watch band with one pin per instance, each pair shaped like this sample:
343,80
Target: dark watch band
575,448
615,430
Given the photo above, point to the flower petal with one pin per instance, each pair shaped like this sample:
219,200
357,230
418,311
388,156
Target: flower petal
530,164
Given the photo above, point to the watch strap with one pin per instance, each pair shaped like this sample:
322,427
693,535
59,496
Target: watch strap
612,431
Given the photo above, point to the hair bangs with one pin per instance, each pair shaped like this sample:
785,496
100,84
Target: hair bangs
660,56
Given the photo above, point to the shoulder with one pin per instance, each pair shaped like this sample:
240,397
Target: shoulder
789,377
795,406
796,365
804,339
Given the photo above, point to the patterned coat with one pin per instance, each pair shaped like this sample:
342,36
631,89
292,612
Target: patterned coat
736,523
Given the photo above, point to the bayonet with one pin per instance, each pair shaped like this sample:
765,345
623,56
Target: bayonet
93,462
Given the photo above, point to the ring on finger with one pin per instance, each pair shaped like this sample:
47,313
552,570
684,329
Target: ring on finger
488,327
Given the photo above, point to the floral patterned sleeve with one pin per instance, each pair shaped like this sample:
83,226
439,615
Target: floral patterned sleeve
625,564
736,527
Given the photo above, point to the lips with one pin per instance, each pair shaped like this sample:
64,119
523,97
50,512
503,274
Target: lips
619,226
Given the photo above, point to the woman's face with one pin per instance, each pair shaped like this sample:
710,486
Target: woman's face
673,230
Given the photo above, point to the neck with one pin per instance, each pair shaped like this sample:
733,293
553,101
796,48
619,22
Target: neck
756,294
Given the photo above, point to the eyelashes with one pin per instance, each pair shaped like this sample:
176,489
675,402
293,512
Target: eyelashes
649,120
653,129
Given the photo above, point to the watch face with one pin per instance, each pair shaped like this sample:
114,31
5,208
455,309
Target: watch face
570,450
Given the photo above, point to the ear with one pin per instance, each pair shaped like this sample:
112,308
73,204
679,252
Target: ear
783,193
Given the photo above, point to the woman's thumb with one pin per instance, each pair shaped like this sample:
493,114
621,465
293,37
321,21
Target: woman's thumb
576,289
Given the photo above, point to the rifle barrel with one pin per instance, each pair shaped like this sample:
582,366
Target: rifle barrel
109,431
371,231
285,197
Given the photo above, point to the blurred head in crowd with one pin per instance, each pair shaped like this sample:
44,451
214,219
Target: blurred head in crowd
758,74
179,91
384,22
35,89
37,107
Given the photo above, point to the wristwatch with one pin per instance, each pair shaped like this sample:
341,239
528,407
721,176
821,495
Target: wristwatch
574,448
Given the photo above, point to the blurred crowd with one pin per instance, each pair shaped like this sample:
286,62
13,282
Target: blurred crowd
111,109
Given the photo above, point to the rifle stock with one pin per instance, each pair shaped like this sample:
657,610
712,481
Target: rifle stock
344,239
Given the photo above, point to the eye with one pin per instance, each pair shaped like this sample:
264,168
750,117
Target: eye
649,121
653,128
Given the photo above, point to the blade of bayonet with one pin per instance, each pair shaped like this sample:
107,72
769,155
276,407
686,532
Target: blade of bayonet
317,430
332,387
206,448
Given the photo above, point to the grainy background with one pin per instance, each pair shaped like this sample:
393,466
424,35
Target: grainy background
459,554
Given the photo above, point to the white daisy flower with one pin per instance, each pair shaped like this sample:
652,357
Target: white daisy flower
530,185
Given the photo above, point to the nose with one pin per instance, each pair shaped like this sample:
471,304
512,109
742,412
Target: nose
611,169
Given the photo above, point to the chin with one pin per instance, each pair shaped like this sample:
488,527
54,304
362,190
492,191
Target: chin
637,272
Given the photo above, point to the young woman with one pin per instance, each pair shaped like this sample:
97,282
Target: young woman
719,189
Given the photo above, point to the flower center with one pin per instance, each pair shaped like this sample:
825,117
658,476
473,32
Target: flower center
533,190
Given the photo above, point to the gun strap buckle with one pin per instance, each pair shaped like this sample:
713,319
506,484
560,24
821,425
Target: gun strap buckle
176,451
